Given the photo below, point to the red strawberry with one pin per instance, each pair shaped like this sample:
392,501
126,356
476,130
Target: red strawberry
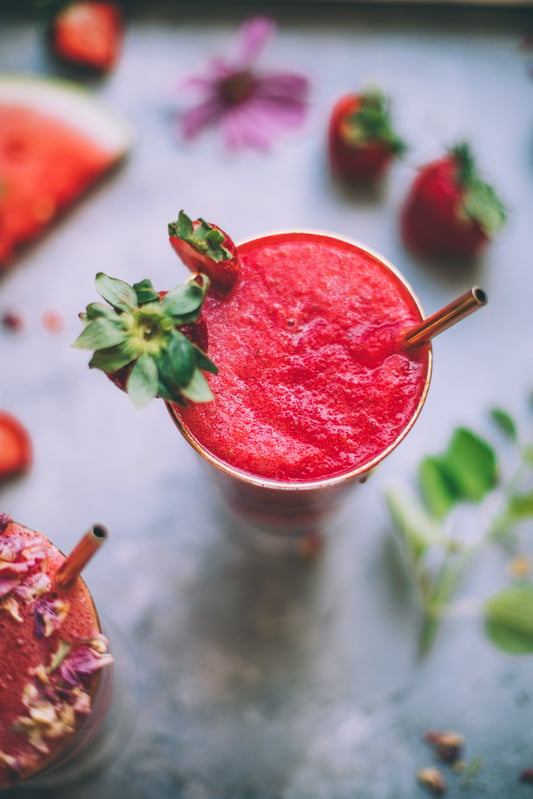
361,140
149,343
449,210
205,248
88,34
15,447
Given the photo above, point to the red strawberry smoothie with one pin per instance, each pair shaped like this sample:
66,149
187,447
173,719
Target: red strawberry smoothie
52,654
313,379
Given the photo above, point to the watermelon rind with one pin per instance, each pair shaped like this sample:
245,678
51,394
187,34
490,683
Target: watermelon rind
71,103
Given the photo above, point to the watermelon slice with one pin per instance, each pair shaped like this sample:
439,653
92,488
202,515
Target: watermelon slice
56,140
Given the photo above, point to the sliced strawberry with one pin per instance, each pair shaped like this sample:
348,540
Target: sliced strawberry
15,447
148,342
361,141
449,211
205,248
88,34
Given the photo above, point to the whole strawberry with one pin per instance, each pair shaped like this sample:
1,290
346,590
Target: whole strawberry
449,210
146,341
87,33
205,248
15,447
362,143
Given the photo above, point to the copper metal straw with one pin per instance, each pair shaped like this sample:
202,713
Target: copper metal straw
464,305
84,550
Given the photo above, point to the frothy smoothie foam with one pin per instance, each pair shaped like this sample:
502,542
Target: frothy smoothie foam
313,380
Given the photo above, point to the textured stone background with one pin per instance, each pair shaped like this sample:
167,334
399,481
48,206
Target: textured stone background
256,676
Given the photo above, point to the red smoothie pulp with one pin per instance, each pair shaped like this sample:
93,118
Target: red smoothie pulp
52,654
313,380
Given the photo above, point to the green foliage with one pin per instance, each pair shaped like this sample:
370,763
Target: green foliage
509,619
467,472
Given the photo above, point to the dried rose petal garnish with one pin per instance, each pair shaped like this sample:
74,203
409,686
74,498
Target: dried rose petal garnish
49,615
57,693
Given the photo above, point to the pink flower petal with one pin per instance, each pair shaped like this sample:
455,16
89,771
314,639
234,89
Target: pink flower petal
199,116
254,34
285,85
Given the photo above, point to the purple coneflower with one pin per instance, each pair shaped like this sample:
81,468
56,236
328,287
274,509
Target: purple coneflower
251,107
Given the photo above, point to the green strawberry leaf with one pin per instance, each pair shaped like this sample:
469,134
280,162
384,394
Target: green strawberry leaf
204,362
182,228
142,383
95,310
178,362
480,201
100,333
184,302
117,293
509,619
111,359
198,389
145,292
203,237
372,122
505,423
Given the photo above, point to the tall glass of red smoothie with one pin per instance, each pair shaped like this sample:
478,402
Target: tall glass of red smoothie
59,700
314,387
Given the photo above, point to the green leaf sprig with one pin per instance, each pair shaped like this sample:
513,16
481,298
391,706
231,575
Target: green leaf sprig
468,471
139,331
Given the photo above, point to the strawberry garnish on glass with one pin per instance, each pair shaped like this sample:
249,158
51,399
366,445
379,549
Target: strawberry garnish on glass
145,340
361,139
153,343
450,211
204,247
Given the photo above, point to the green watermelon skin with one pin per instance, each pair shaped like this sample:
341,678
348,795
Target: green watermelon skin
56,141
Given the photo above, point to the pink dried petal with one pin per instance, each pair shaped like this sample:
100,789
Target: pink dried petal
33,587
84,661
7,584
11,547
48,616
